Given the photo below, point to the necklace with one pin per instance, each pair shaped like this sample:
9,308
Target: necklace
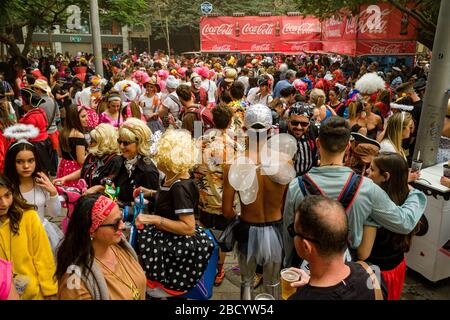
132,286
331,164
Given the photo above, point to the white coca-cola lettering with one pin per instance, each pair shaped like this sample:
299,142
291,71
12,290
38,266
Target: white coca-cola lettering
303,28
332,22
260,47
223,29
223,47
300,47
385,49
262,29
350,25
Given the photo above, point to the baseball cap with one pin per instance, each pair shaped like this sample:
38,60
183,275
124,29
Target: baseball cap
258,118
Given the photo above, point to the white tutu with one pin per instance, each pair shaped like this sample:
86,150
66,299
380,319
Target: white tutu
264,244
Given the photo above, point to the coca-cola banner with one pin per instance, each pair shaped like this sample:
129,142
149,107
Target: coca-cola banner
347,47
382,21
216,30
339,28
385,48
300,28
299,46
378,29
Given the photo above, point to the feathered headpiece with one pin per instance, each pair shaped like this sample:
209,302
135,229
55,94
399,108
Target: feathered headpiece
21,133
402,107
369,84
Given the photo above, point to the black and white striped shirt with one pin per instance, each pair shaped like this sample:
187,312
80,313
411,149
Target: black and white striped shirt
304,159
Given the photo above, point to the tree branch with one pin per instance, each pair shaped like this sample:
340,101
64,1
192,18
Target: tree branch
423,21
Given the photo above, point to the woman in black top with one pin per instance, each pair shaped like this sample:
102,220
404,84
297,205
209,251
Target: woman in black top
380,246
103,161
72,144
174,251
138,169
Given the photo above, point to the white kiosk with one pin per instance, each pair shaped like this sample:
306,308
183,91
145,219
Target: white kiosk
430,253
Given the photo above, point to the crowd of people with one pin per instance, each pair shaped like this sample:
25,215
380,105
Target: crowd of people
186,136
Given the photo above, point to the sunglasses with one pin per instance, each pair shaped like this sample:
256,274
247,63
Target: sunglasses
124,142
304,124
293,234
115,225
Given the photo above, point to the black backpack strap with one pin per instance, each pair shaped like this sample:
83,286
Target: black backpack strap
350,190
302,186
308,186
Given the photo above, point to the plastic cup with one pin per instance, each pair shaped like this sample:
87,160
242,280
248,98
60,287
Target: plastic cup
446,171
416,165
288,276
264,296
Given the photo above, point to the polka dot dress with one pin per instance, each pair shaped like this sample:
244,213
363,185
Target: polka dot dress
177,262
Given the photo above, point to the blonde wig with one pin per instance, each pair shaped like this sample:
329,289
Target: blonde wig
394,129
318,97
134,129
106,137
176,151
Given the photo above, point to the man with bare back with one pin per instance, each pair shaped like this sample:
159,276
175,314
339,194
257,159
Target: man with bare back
259,232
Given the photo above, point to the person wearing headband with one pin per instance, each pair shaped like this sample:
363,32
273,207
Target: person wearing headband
94,261
23,169
299,126
23,242
37,117
112,113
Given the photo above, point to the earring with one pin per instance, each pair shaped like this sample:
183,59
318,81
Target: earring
92,238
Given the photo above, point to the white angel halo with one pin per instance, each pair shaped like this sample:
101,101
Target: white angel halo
21,131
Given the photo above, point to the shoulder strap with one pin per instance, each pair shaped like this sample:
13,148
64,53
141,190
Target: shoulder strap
53,115
374,279
308,186
176,100
350,190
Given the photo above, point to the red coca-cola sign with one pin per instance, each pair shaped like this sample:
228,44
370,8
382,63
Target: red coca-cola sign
264,47
222,29
303,28
258,29
386,47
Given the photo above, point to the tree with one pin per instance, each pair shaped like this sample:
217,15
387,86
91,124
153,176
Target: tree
44,14
424,11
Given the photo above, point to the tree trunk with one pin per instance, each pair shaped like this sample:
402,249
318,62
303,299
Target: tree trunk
29,39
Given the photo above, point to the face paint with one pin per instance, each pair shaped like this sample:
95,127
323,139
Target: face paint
197,82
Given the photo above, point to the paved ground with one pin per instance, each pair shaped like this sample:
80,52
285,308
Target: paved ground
416,287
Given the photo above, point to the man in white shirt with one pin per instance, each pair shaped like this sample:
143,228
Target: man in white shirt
171,105
208,85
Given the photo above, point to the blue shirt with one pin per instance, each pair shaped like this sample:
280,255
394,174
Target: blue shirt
280,85
372,206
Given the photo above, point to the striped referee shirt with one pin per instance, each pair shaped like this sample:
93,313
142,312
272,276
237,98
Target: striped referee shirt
304,158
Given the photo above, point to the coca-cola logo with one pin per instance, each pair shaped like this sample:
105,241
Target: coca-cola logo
350,25
260,47
223,29
223,47
300,47
303,28
262,29
332,22
385,49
